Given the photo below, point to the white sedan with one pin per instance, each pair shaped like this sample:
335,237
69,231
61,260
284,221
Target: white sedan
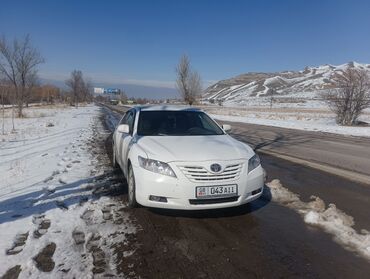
178,157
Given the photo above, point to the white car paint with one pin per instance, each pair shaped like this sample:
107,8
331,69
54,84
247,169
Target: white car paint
180,153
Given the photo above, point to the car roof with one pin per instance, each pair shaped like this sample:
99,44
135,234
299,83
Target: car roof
166,108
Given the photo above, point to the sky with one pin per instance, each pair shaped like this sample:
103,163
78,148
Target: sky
138,43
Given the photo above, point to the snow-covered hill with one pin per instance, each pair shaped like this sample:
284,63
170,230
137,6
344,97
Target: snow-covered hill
305,83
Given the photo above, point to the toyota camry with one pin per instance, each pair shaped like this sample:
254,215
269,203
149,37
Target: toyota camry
178,157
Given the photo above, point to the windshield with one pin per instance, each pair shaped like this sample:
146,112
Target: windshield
176,123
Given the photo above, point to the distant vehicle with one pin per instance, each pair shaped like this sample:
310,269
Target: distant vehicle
179,158
114,102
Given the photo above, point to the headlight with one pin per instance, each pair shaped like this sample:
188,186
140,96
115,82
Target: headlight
253,163
156,166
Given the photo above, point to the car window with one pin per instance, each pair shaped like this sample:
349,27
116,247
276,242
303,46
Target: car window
131,120
176,123
124,118
205,123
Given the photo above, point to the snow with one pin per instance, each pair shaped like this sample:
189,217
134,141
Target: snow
235,86
305,118
330,219
274,81
49,150
48,175
286,84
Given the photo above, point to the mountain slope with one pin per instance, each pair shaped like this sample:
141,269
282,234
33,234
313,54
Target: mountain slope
311,79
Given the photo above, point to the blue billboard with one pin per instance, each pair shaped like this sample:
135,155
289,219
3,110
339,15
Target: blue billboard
112,91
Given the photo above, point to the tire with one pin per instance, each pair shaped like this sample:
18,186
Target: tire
131,188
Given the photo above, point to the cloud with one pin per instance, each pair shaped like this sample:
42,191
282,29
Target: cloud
111,79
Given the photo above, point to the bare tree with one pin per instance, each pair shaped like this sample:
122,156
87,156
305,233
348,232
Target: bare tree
3,89
6,91
86,90
350,95
80,89
76,85
195,86
49,93
31,82
18,61
188,81
123,97
271,93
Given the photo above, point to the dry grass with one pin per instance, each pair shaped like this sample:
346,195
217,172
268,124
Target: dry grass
35,112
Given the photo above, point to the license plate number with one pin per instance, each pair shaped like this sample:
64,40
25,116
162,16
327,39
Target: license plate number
204,192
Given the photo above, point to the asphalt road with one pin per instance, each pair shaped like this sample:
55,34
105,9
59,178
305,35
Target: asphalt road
260,240
344,152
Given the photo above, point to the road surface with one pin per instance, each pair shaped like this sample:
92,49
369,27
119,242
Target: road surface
344,152
260,240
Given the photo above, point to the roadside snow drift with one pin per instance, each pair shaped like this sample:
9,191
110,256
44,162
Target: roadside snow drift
331,219
323,121
57,217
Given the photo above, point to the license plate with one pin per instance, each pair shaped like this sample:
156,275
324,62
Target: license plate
206,192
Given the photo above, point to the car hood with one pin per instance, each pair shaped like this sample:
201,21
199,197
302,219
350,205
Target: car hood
194,148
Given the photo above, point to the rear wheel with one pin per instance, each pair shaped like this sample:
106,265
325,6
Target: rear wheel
131,188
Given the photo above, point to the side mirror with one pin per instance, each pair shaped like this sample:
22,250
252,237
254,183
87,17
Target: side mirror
226,127
123,128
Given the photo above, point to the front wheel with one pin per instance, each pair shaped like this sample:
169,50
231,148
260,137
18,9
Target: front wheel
114,159
131,188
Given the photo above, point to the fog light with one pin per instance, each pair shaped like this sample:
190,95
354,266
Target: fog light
255,192
157,198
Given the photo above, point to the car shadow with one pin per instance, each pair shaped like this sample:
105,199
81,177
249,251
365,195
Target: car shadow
63,196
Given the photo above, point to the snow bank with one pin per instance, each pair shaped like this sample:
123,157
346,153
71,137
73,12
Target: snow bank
331,219
315,121
50,180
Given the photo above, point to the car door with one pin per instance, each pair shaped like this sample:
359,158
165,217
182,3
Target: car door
122,140
126,144
117,138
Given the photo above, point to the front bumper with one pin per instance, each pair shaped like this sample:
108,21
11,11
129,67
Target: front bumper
180,191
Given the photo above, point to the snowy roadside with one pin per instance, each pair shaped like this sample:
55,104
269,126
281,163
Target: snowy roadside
59,214
329,218
304,120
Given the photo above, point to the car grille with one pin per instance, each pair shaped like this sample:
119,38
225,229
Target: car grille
200,174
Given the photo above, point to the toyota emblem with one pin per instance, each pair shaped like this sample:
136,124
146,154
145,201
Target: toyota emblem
215,167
